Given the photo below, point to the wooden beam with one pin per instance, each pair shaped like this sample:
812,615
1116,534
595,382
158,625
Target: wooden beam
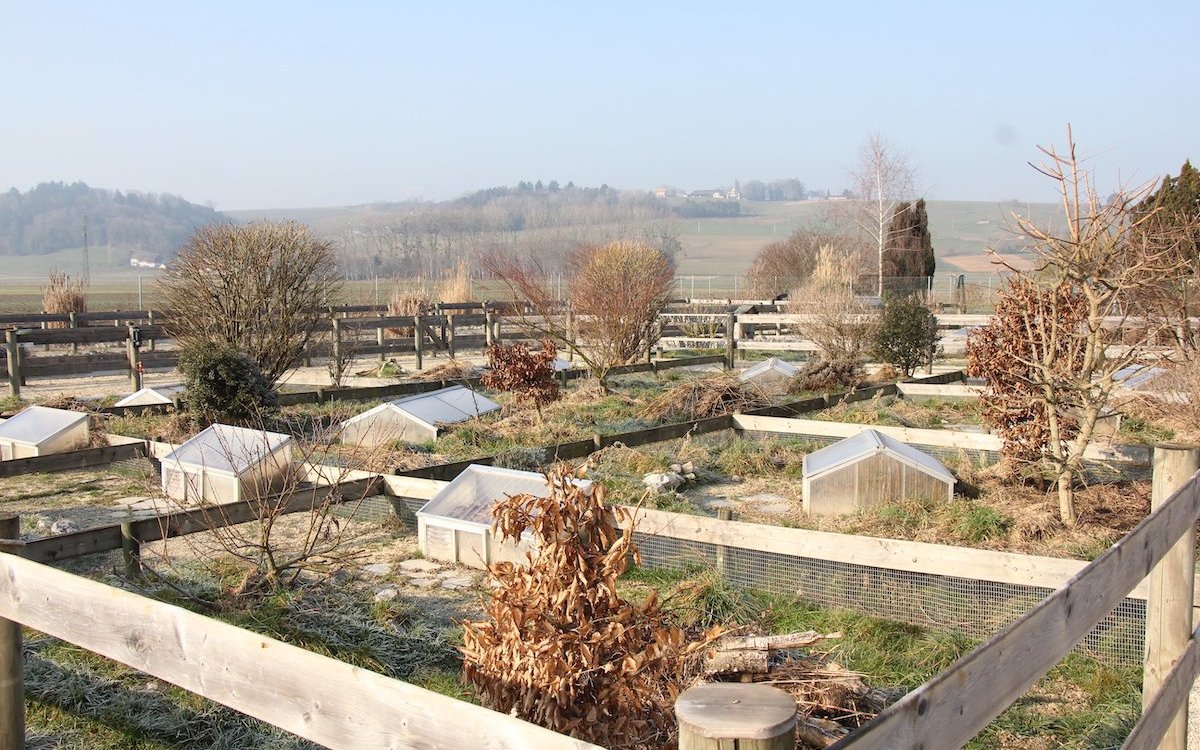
315,697
1171,698
12,663
73,459
190,521
950,709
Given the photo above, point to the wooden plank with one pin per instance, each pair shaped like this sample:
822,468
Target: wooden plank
780,345
183,522
313,696
668,432
950,709
1172,696
72,459
948,391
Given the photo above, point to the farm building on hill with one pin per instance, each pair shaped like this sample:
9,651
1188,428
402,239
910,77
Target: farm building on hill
40,431
225,464
415,418
456,525
771,375
159,395
868,469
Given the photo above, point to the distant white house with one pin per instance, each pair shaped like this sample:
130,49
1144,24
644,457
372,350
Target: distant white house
139,263
225,464
415,418
40,431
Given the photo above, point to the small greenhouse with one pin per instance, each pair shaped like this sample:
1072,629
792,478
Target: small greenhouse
159,395
771,375
225,464
456,525
40,431
1137,377
868,469
415,418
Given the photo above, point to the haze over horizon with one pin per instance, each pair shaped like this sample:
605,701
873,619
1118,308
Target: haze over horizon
278,105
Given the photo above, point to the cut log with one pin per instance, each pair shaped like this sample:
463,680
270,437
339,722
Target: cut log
819,733
752,654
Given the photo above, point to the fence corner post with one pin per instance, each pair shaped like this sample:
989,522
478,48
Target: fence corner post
748,716
723,514
131,551
1170,587
12,667
133,350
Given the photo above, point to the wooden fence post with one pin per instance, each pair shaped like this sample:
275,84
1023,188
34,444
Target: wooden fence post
12,682
730,341
132,344
571,335
131,551
450,335
496,339
418,340
379,341
488,334
14,362
746,716
73,323
737,336
1170,586
150,321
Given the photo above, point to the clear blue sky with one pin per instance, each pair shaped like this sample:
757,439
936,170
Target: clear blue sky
258,105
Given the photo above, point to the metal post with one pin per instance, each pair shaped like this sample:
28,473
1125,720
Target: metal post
12,669
1169,589
14,363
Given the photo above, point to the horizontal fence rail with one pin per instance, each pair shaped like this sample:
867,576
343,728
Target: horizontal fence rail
312,696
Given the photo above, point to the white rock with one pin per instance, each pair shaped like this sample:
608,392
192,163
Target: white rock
659,481
63,526
459,582
386,595
424,583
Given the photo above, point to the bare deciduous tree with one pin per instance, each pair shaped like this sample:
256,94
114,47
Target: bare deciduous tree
257,287
1107,258
616,293
882,179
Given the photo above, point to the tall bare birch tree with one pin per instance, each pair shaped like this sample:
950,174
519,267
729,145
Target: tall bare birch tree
881,180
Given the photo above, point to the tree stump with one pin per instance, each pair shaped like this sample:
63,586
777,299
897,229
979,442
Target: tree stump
744,716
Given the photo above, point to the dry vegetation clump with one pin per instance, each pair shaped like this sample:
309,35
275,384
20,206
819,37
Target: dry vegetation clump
826,376
404,303
454,370
64,295
456,285
704,398
529,376
558,645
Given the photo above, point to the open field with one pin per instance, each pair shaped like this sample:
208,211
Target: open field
720,248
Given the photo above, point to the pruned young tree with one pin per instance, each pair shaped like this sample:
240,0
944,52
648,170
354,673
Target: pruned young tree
255,287
1103,262
616,293
882,180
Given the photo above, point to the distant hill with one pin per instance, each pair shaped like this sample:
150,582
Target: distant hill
51,217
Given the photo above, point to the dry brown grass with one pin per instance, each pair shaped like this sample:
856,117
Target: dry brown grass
453,370
64,295
456,287
703,398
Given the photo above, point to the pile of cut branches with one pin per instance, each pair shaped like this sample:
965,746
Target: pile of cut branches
559,647
703,398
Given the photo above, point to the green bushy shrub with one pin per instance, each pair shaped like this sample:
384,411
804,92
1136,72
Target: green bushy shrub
222,383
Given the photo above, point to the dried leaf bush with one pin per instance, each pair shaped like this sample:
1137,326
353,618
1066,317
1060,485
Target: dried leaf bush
559,647
529,376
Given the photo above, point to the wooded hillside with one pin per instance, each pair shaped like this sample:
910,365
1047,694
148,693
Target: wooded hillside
51,217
